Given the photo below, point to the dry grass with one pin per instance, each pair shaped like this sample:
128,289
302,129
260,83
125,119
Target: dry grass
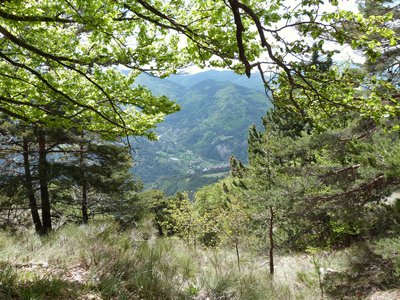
101,262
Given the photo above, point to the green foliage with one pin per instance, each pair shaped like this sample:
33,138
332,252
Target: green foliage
99,167
385,65
83,172
323,188
181,218
233,224
62,70
64,67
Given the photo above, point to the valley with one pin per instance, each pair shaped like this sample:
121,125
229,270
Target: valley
194,146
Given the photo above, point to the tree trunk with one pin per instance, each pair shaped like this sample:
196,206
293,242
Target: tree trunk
271,240
85,216
43,182
237,255
29,189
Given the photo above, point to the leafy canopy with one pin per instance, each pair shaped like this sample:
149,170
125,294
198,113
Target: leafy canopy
59,58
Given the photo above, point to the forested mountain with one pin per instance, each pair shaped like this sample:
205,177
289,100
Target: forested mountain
195,143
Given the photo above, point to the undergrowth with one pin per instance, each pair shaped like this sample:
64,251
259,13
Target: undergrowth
135,264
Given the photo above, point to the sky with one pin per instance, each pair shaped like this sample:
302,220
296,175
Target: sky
345,54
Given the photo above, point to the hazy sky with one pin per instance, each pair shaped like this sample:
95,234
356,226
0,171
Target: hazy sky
346,53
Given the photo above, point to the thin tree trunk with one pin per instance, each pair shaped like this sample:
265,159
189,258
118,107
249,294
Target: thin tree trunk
29,189
271,240
85,216
43,182
237,255
9,215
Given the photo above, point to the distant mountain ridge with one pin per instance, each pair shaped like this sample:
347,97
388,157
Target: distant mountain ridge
189,80
212,125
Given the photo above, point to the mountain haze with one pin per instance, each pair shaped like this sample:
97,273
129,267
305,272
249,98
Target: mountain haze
188,80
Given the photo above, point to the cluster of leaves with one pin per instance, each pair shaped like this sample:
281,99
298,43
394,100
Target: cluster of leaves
58,62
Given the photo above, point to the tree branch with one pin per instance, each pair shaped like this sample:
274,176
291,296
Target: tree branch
362,188
239,36
13,17
65,96
29,47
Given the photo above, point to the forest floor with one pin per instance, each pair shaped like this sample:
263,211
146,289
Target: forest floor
100,262
385,295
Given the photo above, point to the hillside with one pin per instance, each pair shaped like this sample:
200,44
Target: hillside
212,125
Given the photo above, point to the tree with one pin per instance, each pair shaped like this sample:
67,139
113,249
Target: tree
62,169
17,141
181,218
223,214
59,58
329,181
387,64
264,184
232,224
93,173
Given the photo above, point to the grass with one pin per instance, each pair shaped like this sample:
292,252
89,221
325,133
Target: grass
107,263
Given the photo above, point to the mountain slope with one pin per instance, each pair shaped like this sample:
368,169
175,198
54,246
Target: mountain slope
211,126
215,117
159,86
